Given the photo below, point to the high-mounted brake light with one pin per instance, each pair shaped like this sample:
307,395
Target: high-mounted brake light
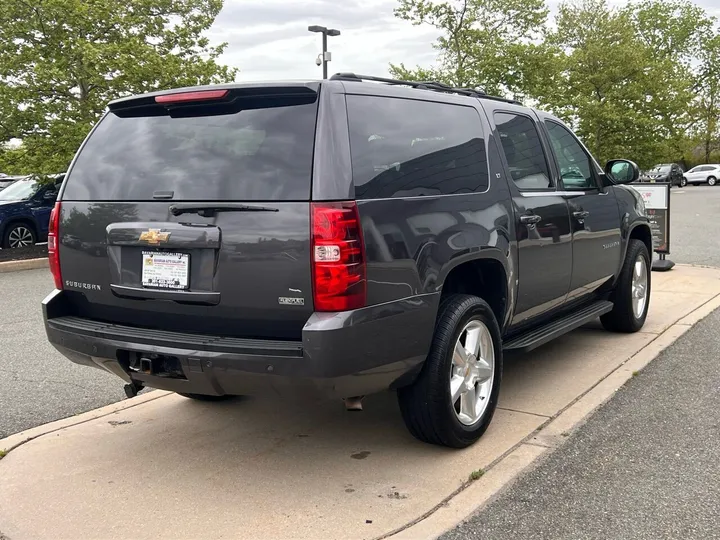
184,97
338,257
53,245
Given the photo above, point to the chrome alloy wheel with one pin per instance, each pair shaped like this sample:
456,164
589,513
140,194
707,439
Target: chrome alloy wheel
639,288
472,372
20,236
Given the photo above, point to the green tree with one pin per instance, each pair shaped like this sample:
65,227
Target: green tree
624,77
483,43
597,87
672,32
61,61
707,88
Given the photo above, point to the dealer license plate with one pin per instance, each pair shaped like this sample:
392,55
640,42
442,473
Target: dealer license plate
165,270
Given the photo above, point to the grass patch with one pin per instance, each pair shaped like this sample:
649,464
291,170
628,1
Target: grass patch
635,373
3,453
476,475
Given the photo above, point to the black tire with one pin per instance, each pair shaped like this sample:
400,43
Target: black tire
16,231
683,182
203,397
622,318
712,181
426,405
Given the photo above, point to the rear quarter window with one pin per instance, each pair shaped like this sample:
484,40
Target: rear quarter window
254,149
411,148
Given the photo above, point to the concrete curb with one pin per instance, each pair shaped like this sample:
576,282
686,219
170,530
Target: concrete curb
501,474
25,264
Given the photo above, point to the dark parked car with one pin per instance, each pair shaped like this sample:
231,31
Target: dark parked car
343,237
25,208
665,172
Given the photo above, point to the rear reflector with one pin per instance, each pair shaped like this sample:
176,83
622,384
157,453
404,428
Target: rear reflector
338,257
53,245
184,97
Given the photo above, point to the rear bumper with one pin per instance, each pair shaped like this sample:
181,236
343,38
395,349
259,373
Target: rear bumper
341,354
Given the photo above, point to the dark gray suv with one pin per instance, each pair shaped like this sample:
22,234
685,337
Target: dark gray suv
345,237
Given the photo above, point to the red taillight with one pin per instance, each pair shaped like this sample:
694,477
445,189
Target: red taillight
54,245
338,257
184,97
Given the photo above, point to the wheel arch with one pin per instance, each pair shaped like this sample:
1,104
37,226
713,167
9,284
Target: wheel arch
20,220
642,232
483,276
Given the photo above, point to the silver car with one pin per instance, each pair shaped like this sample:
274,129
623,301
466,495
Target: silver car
703,174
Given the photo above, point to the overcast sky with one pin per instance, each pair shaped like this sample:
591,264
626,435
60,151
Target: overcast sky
268,39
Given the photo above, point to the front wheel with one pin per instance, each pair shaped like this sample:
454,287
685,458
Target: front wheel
712,181
683,182
631,297
453,400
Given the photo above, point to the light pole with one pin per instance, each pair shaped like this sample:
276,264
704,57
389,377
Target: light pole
326,56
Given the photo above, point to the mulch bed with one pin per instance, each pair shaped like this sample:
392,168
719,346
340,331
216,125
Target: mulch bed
21,254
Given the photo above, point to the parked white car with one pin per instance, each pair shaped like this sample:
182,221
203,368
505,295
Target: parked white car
703,174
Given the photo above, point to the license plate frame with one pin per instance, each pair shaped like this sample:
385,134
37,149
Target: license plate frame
164,270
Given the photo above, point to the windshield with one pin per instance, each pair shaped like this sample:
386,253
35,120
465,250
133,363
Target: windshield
21,190
661,168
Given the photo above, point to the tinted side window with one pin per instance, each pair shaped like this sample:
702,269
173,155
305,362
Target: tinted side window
523,151
409,148
574,163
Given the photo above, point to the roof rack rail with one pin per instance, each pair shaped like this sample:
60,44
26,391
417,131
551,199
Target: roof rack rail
434,86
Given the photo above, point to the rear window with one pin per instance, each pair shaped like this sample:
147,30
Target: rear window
410,148
253,150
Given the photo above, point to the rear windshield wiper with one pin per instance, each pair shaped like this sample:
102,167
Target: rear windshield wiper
210,209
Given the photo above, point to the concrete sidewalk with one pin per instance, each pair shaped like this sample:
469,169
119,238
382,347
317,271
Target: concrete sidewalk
253,468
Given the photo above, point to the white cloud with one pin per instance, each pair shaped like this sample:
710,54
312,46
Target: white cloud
268,39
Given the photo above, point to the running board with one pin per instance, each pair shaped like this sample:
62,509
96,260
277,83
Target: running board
534,338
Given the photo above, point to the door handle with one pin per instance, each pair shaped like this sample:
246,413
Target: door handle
530,219
581,214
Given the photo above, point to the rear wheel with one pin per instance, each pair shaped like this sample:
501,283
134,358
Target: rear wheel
19,235
453,400
631,297
203,397
712,181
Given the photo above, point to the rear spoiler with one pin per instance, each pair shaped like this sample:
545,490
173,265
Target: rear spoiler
217,93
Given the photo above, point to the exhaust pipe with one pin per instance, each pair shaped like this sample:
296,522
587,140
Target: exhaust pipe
353,403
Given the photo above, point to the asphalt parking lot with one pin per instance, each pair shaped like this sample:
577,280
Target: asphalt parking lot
695,225
38,385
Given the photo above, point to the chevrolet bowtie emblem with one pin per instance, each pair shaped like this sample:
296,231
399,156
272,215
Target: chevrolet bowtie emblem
154,236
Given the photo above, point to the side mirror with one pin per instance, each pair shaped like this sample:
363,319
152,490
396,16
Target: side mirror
622,171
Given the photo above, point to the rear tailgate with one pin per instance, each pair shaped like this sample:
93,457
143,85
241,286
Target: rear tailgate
194,216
